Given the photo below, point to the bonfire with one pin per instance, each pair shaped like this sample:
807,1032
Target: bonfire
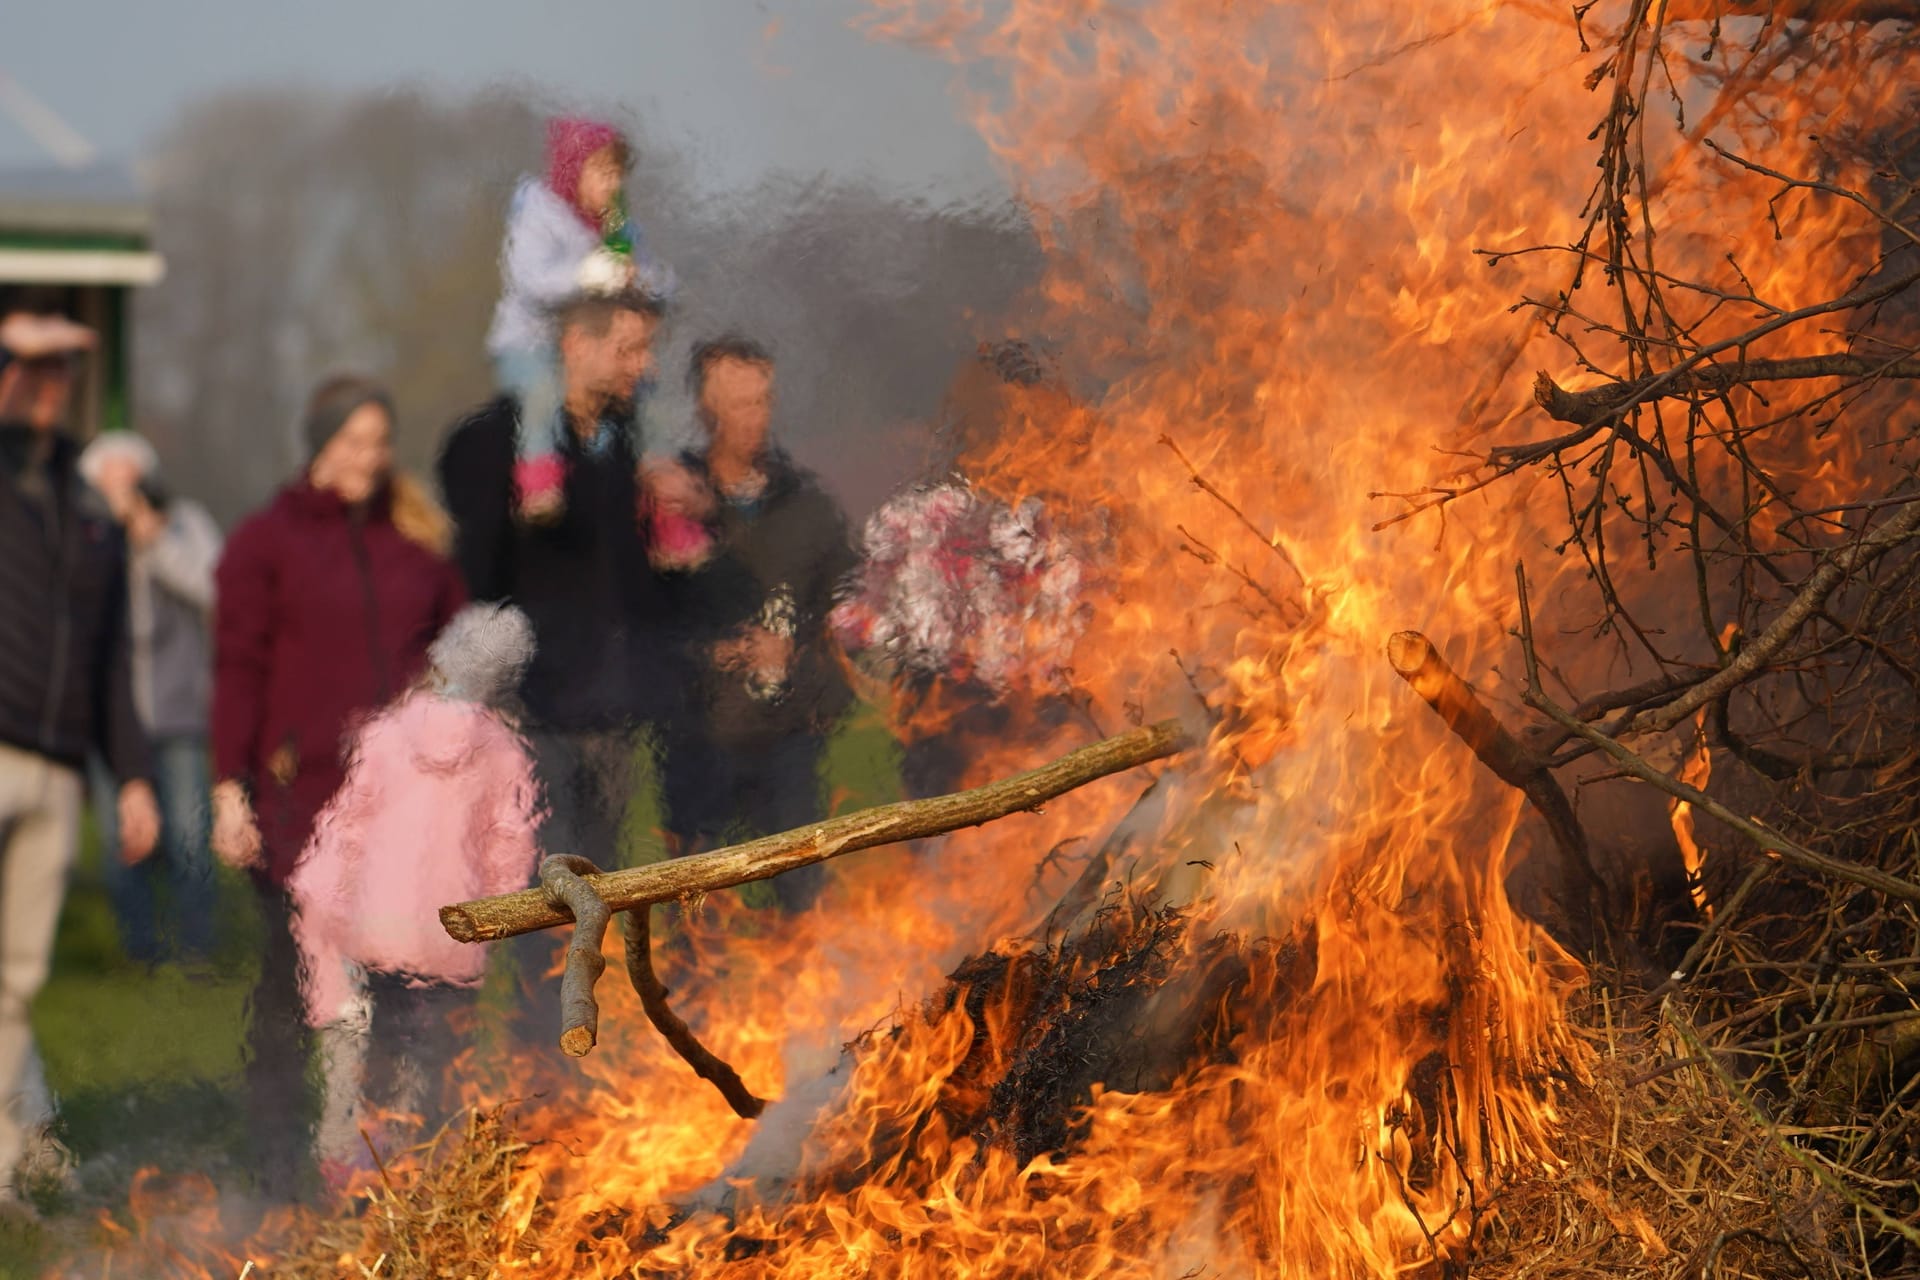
1497,421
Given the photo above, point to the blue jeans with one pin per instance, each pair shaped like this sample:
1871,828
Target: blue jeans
532,378
181,866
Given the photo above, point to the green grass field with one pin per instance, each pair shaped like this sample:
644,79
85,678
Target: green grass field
146,1065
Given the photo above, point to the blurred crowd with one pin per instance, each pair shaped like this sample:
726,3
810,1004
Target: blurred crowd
380,694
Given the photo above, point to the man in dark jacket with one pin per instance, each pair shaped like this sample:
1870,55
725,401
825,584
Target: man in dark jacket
745,759
65,684
580,572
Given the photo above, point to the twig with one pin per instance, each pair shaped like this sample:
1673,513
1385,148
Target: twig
488,919
1687,966
1768,840
562,888
653,998
379,1161
1212,490
1821,1173
1651,1074
1813,593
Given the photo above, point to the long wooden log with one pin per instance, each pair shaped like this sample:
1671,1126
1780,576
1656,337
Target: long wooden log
489,919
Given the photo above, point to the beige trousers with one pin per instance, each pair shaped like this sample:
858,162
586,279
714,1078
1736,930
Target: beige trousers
39,836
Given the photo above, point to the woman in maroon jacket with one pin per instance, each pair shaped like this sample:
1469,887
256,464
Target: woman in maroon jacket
326,601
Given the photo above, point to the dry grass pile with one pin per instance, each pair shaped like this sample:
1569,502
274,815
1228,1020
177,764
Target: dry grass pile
454,1206
1669,1172
1758,1118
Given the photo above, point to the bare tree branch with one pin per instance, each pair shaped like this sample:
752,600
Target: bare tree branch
1767,839
563,889
653,998
1597,404
1751,659
488,919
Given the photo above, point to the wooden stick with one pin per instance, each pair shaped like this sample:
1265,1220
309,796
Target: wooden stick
653,998
1584,408
1420,665
562,886
488,919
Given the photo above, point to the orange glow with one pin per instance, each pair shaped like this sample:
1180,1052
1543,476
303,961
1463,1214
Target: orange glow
1695,770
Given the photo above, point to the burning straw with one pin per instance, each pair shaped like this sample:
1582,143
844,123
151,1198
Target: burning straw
572,888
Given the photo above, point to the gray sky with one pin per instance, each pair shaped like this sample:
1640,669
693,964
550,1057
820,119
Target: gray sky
744,86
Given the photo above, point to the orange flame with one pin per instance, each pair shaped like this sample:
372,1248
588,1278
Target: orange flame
1695,770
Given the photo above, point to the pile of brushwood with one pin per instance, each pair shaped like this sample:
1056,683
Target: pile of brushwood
1756,1116
1759,1119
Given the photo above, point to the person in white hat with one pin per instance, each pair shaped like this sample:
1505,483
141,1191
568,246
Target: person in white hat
173,546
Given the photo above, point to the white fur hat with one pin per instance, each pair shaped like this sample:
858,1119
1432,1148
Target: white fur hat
109,445
482,653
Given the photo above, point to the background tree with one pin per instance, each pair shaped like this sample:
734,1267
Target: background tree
307,232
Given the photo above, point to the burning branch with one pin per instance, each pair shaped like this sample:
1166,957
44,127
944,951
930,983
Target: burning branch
1417,661
1813,593
653,998
1597,404
489,919
1768,840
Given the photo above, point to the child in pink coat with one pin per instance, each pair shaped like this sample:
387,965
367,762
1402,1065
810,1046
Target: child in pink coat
439,806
